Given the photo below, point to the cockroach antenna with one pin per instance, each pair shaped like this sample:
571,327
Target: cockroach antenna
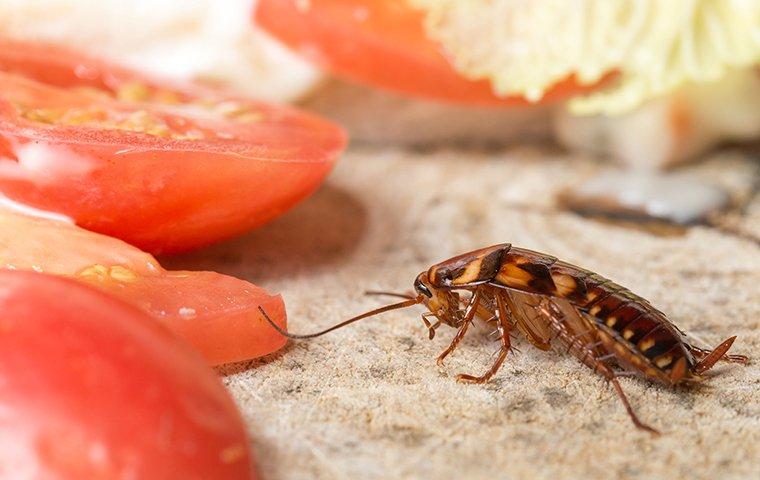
408,296
395,306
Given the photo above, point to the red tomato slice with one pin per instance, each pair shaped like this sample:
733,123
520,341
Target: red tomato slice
216,314
91,388
380,43
166,167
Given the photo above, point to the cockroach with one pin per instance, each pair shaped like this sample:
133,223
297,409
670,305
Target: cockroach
604,325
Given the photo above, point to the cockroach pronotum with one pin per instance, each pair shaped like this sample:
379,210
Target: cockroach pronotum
604,325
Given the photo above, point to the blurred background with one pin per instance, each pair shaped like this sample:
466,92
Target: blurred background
620,136
675,88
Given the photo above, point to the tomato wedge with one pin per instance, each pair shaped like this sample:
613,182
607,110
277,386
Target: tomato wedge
92,388
164,166
216,314
380,43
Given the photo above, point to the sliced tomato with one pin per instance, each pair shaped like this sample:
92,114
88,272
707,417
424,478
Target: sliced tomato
90,387
216,314
380,43
166,167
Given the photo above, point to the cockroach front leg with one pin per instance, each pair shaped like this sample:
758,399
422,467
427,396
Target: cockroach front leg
504,322
469,314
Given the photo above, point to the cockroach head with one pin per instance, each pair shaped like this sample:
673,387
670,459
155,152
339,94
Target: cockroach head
442,303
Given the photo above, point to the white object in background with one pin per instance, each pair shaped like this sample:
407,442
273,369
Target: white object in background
207,40
672,129
673,197
655,46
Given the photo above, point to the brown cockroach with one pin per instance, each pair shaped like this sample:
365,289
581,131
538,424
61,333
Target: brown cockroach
604,325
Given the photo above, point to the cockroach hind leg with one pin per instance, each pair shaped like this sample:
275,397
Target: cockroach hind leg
634,418
742,359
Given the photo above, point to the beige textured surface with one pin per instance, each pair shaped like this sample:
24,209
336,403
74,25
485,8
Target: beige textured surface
397,119
369,401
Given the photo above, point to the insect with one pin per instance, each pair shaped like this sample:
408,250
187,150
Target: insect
553,303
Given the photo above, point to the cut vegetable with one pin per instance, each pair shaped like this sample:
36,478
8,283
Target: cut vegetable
92,388
380,43
163,166
524,48
216,314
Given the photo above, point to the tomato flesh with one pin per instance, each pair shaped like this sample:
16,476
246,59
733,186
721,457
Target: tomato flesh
217,314
166,167
91,387
380,43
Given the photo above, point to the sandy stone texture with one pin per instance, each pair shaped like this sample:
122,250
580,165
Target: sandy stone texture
369,401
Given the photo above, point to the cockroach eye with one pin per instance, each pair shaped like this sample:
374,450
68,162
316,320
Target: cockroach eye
422,288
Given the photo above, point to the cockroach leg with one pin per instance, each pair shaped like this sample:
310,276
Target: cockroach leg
465,378
593,345
629,409
454,343
496,335
742,359
599,366
503,351
585,353
468,316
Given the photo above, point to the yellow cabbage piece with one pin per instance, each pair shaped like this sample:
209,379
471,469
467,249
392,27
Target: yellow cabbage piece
526,46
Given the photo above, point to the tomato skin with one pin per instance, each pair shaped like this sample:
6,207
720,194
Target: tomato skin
380,43
92,388
163,201
61,66
165,195
216,314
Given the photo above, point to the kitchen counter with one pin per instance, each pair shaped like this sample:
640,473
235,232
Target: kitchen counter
369,401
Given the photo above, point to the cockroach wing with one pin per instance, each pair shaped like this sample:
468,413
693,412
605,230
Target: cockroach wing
580,327
528,319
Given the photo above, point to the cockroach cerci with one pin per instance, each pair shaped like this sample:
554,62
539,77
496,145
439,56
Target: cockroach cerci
604,325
